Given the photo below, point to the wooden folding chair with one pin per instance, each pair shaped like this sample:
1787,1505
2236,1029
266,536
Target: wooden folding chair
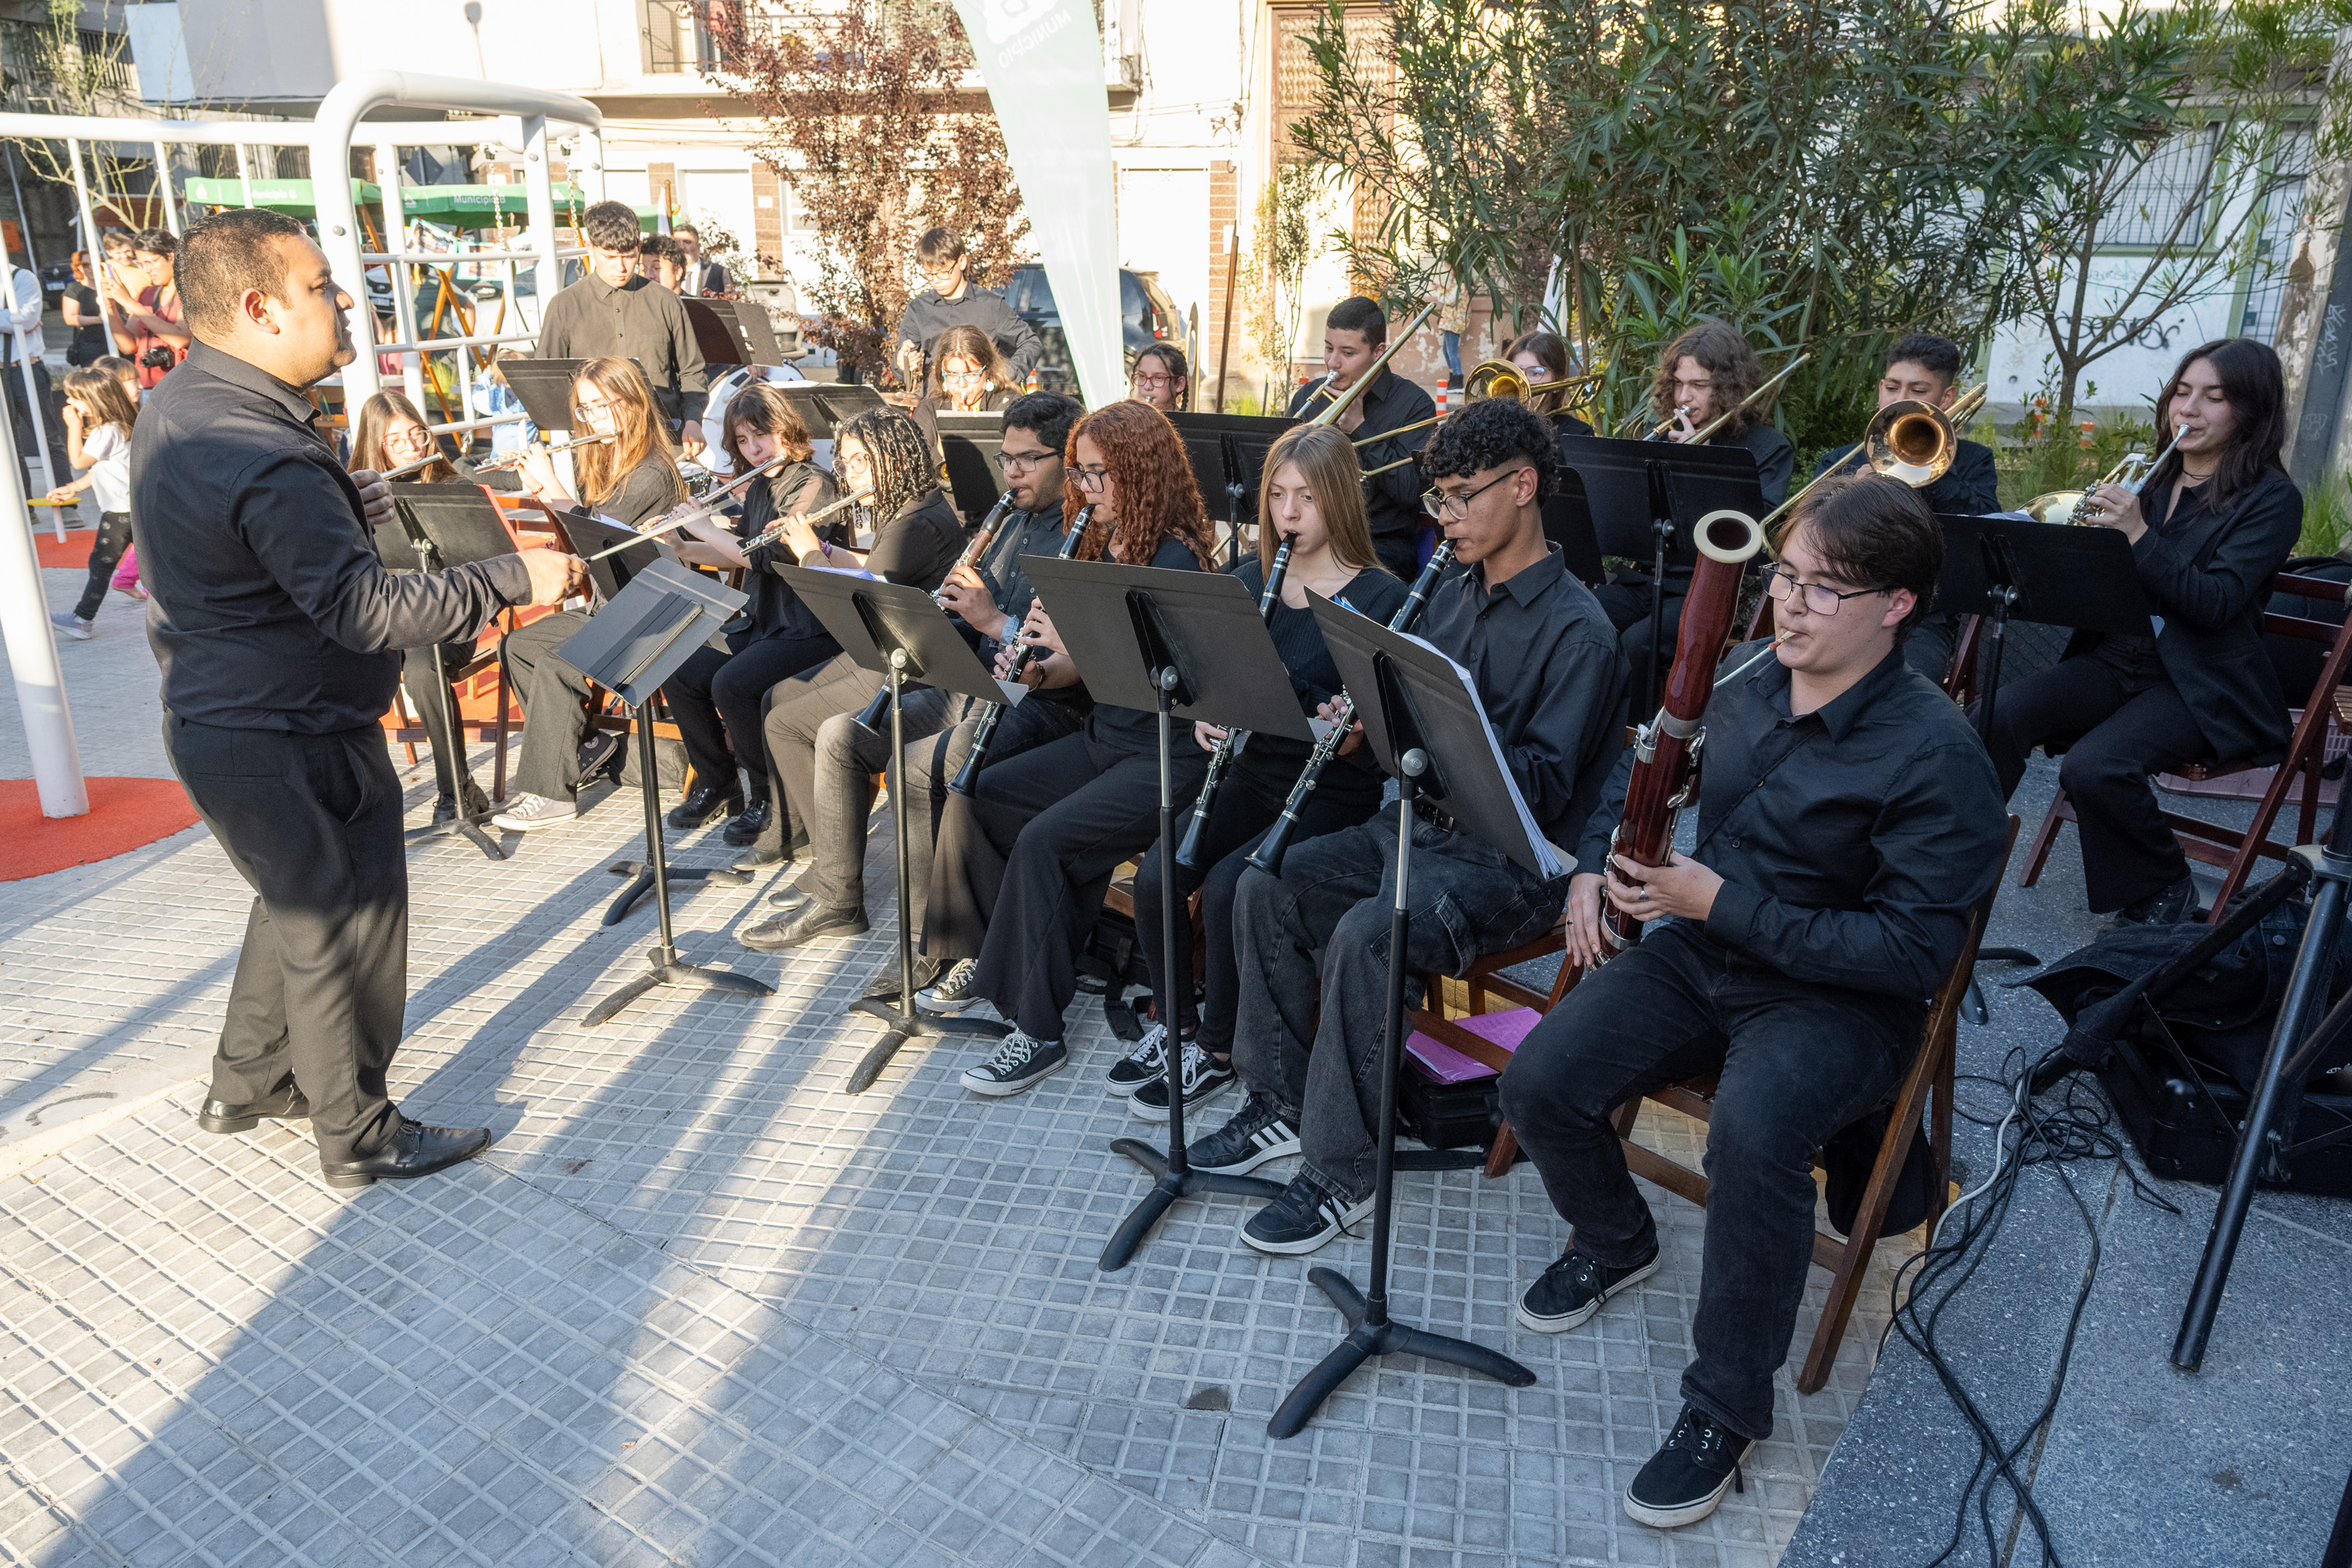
1932,1071
2211,844
1484,980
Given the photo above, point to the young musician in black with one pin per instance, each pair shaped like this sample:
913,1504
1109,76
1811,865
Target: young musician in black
1705,374
1021,867
2214,521
717,696
950,298
615,312
1847,823
629,474
1924,368
1546,663
1542,357
1310,492
991,598
1356,334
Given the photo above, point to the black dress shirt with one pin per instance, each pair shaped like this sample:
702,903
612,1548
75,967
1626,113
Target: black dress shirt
1549,671
1969,487
775,610
928,315
644,492
1392,501
270,607
640,321
1776,460
1315,680
1852,842
1136,730
1024,533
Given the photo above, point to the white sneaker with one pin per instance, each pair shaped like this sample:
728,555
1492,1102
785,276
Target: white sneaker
1021,1062
952,992
527,812
73,626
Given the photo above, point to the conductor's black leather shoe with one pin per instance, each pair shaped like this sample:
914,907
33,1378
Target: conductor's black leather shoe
704,804
747,824
413,1150
284,1103
803,925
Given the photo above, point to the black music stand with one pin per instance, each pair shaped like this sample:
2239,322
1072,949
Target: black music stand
630,647
436,527
1428,731
1188,644
1568,522
1645,497
544,388
901,631
824,406
1227,452
714,331
972,447
2012,568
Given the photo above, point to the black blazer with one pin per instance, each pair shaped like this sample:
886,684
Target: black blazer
2204,574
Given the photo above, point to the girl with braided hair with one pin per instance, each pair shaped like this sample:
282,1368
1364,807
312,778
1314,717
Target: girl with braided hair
1022,863
916,537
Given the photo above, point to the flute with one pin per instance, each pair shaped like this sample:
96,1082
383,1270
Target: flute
968,776
1268,856
1221,758
495,465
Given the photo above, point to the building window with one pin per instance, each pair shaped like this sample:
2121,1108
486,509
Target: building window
2163,202
675,41
2281,210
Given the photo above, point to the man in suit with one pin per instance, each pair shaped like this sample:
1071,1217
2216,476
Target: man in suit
704,279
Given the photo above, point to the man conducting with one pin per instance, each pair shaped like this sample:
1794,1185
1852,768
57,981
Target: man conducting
279,632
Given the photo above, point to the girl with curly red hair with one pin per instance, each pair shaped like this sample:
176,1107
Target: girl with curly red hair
1024,861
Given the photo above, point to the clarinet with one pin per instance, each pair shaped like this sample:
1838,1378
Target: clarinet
967,777
1268,856
872,717
1221,756
1665,749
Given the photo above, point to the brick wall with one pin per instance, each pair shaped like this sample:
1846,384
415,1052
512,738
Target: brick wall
767,213
1224,210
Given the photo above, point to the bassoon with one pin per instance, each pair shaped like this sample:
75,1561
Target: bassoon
1268,856
1188,853
1666,749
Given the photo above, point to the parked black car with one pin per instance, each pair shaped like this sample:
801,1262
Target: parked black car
1147,315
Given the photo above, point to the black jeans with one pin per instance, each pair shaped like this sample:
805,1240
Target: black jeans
1024,867
932,764
1334,900
1246,807
436,710
715,699
53,428
554,705
2114,738
312,824
1798,1060
105,555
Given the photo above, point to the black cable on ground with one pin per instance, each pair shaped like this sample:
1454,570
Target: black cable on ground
2079,1127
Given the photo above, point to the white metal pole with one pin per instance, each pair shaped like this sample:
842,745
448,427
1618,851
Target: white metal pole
163,185
395,271
245,177
32,388
32,645
89,240
539,190
591,146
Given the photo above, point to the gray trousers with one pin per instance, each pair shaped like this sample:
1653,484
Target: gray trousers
554,707
827,761
1326,918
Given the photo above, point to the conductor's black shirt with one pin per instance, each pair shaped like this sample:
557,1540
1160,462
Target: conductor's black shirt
1550,677
270,608
1852,842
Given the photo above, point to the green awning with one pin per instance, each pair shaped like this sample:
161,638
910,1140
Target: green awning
295,197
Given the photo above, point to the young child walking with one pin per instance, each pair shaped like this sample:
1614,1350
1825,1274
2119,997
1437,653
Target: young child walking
99,415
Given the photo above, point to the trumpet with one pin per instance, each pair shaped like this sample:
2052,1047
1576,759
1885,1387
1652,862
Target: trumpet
2132,470
1908,440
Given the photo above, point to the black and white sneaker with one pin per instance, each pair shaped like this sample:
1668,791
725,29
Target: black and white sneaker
1258,1134
1205,1076
1019,1063
1573,1289
1686,1479
1147,1062
1302,1219
952,992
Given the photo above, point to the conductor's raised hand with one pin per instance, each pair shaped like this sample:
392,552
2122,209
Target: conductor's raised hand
555,576
376,497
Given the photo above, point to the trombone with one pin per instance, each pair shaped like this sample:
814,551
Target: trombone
1340,404
1908,440
1490,378
2131,470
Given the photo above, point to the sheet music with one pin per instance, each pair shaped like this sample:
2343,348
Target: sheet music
1548,858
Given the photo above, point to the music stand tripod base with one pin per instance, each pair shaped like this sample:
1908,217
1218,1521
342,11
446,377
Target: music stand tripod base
669,969
643,883
908,1022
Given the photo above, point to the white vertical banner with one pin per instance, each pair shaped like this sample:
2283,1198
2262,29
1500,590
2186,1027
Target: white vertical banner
1055,115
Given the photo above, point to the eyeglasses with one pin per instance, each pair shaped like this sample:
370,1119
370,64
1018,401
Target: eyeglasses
1090,479
1820,599
413,438
1155,383
852,460
962,377
1024,461
1440,505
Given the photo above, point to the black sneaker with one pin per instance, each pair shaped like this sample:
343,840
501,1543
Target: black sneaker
1145,1063
1204,1075
1258,1134
2169,907
1302,1219
1019,1063
955,990
705,804
1572,1289
1685,1480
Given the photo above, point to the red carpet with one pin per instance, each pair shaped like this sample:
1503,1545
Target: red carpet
74,551
123,815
